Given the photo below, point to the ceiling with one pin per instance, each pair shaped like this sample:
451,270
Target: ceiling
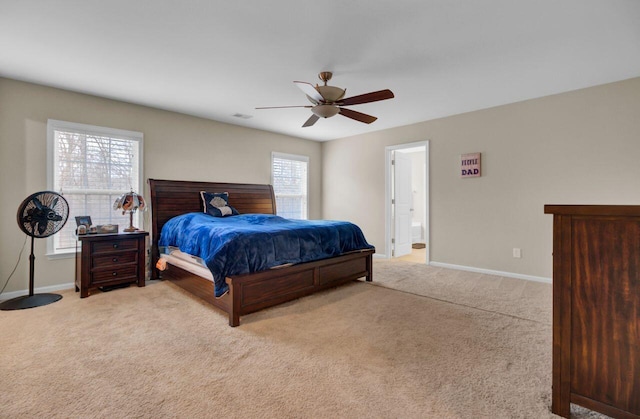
214,59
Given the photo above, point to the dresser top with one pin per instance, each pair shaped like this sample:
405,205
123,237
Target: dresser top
601,210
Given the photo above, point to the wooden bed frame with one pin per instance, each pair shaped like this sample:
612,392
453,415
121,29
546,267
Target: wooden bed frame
251,292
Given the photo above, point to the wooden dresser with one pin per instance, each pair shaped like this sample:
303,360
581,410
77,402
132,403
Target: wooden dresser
596,308
110,259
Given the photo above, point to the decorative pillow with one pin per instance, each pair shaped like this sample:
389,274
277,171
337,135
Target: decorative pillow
217,204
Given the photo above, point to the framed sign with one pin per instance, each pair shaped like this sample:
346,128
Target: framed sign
470,165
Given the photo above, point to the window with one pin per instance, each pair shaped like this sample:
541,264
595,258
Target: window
91,166
289,179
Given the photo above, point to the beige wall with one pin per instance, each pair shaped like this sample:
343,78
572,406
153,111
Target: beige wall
581,147
176,146
577,147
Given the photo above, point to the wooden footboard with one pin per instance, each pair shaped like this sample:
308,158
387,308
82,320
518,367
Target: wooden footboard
253,292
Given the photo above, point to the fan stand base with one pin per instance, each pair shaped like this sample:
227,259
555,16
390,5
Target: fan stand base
29,301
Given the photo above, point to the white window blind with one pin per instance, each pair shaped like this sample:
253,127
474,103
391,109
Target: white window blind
289,175
91,166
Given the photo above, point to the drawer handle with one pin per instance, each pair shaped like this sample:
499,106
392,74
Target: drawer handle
115,259
115,274
115,245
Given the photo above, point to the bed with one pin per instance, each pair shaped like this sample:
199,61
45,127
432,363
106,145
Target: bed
250,292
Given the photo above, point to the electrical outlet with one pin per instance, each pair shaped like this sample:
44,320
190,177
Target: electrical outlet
517,253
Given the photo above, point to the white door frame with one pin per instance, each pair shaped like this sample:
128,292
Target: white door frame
387,207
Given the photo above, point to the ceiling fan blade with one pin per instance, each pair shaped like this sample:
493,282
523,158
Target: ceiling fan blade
280,107
310,91
312,120
358,116
366,98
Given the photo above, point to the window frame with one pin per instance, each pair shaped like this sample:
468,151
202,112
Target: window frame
294,157
58,125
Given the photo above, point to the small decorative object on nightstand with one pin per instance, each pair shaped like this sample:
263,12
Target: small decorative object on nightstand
130,202
106,260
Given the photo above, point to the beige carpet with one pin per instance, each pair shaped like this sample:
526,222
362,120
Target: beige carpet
515,297
359,351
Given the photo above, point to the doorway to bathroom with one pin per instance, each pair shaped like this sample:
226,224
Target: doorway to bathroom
407,202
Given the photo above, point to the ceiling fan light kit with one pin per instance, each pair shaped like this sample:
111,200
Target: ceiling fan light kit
325,111
328,101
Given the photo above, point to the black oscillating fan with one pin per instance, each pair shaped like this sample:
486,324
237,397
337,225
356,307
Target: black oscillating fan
41,215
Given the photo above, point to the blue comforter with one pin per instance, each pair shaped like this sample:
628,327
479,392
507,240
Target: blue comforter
255,242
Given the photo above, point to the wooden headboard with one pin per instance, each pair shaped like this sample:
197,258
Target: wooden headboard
174,197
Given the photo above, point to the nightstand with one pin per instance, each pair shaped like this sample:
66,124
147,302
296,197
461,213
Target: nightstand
110,259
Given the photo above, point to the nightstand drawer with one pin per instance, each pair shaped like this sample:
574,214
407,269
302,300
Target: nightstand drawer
116,274
114,245
99,262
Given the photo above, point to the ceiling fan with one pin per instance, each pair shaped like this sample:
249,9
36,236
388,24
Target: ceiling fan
328,101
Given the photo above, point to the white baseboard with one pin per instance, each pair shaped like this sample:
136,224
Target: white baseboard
379,256
51,288
491,272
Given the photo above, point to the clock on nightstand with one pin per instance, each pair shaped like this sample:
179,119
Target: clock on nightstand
107,260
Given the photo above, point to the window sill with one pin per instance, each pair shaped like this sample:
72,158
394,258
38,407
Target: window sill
55,256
